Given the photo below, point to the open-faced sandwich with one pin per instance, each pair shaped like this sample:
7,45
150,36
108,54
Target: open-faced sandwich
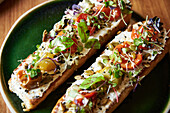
124,63
83,29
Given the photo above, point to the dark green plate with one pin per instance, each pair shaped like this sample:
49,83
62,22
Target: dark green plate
26,33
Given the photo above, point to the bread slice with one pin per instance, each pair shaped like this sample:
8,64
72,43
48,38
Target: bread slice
88,95
34,93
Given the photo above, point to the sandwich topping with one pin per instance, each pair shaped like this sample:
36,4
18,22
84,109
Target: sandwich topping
118,68
72,38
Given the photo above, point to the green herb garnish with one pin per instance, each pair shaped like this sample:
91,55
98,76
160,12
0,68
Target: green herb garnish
105,61
138,41
93,79
93,43
116,57
108,3
137,72
82,111
83,31
61,43
33,72
90,104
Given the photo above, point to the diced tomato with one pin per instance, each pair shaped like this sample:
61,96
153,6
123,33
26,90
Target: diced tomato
107,11
79,101
74,26
117,13
91,29
120,46
135,33
142,48
137,61
82,16
73,48
125,64
89,95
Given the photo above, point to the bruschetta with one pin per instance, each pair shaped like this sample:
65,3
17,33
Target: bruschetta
128,58
81,32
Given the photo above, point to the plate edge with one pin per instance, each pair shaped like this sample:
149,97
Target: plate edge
2,88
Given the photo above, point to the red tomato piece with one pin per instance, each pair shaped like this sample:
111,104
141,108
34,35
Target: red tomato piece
125,64
89,95
73,48
117,13
82,16
107,11
137,61
91,29
79,101
135,33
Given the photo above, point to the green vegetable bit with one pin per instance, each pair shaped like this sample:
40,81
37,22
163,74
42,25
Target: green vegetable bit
83,31
82,111
138,41
93,79
33,72
93,43
61,43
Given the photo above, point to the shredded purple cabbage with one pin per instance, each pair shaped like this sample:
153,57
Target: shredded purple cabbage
137,82
155,22
112,7
76,7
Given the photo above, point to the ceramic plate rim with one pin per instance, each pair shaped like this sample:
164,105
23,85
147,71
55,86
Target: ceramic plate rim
2,85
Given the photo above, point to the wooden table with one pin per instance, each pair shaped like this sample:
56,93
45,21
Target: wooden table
11,10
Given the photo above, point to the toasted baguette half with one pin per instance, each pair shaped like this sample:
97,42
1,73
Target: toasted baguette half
34,92
87,93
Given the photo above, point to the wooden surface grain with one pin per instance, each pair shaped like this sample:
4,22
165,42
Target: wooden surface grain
11,10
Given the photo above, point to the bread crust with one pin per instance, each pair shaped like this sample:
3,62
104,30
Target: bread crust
30,104
128,89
